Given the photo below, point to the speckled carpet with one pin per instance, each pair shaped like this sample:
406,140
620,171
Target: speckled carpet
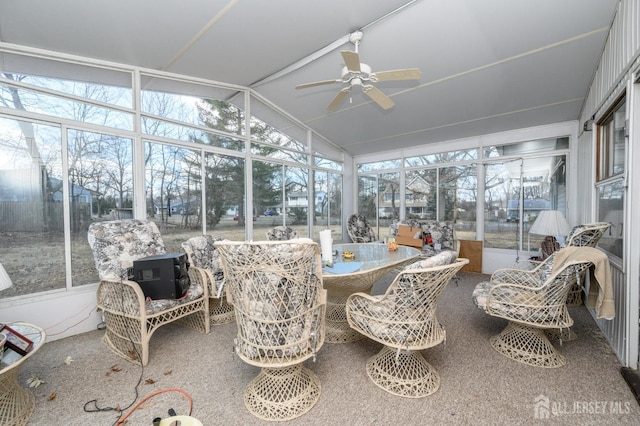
478,385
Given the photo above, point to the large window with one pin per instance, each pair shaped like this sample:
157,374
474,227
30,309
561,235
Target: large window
280,197
180,159
515,194
611,142
611,176
327,204
520,180
32,243
100,174
173,186
519,188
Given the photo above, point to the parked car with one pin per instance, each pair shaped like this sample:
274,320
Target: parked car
270,213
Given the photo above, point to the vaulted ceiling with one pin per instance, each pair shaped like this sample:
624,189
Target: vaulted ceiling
486,66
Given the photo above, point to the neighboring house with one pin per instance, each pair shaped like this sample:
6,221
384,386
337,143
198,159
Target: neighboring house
416,199
532,208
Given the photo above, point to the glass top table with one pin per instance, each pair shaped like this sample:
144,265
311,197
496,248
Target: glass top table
371,262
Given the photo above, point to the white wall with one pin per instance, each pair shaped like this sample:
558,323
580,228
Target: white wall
60,313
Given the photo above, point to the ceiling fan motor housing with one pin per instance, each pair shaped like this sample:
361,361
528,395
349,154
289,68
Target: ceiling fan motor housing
356,78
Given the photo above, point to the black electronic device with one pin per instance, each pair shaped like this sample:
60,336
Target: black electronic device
162,276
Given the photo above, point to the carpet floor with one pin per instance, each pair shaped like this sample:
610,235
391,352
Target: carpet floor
478,385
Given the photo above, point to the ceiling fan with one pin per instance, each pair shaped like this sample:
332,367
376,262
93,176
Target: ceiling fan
356,73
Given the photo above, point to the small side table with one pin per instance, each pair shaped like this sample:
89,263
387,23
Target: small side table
16,402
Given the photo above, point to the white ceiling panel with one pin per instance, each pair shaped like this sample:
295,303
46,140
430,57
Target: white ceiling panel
487,66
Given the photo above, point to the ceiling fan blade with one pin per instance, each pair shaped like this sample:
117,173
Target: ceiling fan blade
351,60
404,74
338,98
380,98
317,83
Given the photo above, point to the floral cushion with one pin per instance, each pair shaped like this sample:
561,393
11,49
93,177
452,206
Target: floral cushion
204,255
587,235
442,233
546,269
159,305
116,244
281,233
443,258
377,311
513,303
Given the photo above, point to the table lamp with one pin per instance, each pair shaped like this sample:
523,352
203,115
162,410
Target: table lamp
551,223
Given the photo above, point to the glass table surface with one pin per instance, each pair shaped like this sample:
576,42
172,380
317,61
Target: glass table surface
375,261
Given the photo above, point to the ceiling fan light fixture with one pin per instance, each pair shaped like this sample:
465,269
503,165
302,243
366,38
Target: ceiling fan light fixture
356,73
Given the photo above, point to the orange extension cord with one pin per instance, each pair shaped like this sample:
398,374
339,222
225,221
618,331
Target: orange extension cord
151,395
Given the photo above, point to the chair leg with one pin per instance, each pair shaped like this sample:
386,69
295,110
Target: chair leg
123,336
405,374
282,393
527,345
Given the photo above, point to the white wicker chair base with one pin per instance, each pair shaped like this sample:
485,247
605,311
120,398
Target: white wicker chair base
122,334
561,335
528,345
123,347
337,327
16,403
404,374
282,393
220,311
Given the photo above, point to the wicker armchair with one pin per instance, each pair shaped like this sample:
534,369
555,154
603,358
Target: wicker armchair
404,321
586,235
203,255
359,230
533,302
276,289
130,319
281,233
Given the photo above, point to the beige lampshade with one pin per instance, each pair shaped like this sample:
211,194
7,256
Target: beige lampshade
5,280
550,222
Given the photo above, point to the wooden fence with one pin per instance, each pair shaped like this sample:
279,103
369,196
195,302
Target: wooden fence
16,216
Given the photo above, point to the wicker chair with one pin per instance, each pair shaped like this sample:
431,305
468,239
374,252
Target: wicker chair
404,321
533,302
130,319
202,254
281,233
359,230
276,289
586,235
